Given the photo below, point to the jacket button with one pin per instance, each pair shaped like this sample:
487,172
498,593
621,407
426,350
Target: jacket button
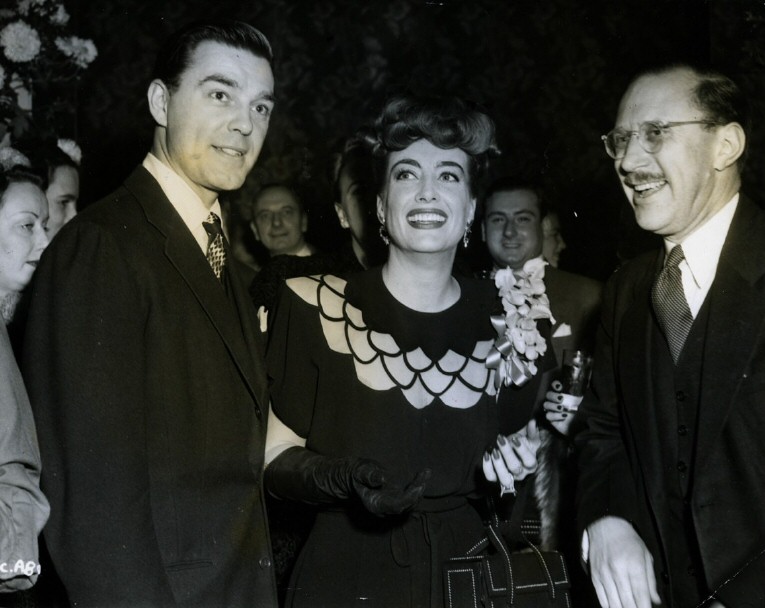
682,467
680,396
265,562
682,430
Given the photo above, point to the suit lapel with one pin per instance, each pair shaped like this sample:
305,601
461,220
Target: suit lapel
184,254
736,322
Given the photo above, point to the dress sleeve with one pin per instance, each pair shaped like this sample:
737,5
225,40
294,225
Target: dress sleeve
23,507
294,330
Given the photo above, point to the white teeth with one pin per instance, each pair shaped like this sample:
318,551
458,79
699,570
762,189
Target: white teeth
231,152
427,217
648,186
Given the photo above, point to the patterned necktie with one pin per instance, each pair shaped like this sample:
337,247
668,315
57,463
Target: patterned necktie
670,304
216,253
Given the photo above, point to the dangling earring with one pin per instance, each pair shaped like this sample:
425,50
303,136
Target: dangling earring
384,235
466,236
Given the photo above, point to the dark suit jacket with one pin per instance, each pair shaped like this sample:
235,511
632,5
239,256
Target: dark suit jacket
622,469
150,397
575,301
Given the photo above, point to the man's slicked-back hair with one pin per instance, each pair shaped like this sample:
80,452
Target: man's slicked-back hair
512,183
174,55
446,122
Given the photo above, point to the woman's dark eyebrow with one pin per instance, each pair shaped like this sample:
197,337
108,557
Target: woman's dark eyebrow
406,161
451,163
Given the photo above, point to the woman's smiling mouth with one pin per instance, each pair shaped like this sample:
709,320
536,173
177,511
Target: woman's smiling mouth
426,218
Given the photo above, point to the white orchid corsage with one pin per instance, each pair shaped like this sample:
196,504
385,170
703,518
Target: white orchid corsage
519,343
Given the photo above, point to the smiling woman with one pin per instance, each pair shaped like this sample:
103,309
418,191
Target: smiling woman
383,405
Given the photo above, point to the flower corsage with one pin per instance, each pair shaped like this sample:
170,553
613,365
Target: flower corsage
519,343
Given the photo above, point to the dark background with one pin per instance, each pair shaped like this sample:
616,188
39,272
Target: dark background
550,72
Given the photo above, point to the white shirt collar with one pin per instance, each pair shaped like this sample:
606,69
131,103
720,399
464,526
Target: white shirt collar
185,201
702,248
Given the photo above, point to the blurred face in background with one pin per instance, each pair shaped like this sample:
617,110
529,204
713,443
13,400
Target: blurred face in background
23,235
552,243
279,221
356,212
62,194
512,227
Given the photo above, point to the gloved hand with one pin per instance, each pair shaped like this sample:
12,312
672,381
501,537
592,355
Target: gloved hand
302,475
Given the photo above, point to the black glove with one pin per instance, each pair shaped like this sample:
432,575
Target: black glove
302,475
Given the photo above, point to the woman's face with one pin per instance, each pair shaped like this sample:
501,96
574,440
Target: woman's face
62,193
352,211
23,234
426,202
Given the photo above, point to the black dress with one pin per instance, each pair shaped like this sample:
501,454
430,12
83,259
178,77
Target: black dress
357,373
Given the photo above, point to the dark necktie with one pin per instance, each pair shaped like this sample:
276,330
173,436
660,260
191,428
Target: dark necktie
670,304
216,253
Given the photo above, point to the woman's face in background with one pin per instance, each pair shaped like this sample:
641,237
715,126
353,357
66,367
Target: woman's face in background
23,234
356,210
426,202
62,194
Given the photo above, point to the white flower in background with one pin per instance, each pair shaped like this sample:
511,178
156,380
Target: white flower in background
60,17
10,157
2,77
20,42
81,51
71,149
25,6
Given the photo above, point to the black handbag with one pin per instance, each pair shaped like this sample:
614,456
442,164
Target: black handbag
490,575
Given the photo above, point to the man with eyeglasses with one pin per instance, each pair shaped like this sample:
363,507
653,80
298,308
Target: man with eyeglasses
672,464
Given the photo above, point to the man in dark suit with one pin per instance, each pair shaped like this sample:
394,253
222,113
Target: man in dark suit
147,383
512,230
671,469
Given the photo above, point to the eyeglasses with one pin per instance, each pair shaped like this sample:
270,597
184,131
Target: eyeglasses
650,136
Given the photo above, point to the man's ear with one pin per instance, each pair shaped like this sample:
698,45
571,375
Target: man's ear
254,229
342,216
158,96
731,145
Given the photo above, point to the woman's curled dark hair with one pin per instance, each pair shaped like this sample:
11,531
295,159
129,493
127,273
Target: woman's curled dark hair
446,122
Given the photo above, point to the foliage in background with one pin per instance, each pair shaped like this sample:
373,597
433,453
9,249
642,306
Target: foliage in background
550,73
39,59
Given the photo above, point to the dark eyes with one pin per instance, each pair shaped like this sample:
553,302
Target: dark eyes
263,110
407,174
